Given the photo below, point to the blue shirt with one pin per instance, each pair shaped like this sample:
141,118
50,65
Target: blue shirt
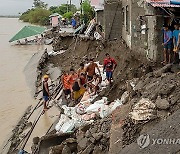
73,22
176,35
168,35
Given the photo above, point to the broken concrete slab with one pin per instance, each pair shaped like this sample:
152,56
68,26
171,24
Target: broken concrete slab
162,104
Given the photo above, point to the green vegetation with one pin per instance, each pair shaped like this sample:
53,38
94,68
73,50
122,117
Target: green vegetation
39,4
64,8
36,16
88,12
39,14
68,15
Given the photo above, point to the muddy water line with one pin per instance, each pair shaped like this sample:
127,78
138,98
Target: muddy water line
15,94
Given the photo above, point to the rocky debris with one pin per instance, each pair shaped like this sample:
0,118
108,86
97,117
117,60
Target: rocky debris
164,69
66,150
130,130
86,139
96,136
82,144
68,146
62,41
43,60
161,88
162,131
147,84
162,104
17,132
89,149
35,144
125,97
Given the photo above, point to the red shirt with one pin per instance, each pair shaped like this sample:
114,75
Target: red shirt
65,81
109,63
72,78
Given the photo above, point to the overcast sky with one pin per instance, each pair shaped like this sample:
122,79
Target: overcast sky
13,7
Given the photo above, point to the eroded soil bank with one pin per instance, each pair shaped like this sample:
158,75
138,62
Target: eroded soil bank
150,94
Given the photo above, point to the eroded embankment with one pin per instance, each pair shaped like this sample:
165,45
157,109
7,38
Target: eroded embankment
150,95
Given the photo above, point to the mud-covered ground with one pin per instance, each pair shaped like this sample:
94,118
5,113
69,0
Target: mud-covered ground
160,85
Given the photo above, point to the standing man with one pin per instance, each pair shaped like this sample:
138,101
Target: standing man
175,41
167,43
72,79
73,23
109,65
179,44
65,83
46,93
91,69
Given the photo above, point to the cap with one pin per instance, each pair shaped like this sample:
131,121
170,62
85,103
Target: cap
46,76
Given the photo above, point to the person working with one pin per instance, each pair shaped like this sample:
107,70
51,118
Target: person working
46,93
82,69
91,69
94,84
65,83
71,80
109,66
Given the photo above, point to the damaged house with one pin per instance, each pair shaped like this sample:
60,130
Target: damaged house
140,23
98,6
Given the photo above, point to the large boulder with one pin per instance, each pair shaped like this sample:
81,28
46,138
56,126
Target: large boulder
162,104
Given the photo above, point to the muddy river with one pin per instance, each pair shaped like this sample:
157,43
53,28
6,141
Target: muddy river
15,94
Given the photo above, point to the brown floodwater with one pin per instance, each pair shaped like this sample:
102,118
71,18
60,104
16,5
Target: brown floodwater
15,94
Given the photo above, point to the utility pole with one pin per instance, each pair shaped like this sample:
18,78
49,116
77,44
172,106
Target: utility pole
81,7
81,1
67,7
70,6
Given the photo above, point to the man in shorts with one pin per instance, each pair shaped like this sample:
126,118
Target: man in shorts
91,69
167,43
46,93
176,33
109,66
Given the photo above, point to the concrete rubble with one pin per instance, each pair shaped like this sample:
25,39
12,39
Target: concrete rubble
143,96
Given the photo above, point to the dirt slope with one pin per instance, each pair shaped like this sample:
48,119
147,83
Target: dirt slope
151,81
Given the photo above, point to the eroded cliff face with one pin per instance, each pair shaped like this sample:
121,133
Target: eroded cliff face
136,77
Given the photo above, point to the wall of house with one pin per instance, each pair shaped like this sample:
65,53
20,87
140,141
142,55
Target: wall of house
100,17
113,19
155,34
143,32
127,22
136,22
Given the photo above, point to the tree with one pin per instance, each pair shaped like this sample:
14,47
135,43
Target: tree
37,16
88,12
68,15
64,8
39,4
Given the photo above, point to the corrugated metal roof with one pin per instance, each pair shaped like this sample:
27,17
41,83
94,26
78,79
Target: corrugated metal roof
164,3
